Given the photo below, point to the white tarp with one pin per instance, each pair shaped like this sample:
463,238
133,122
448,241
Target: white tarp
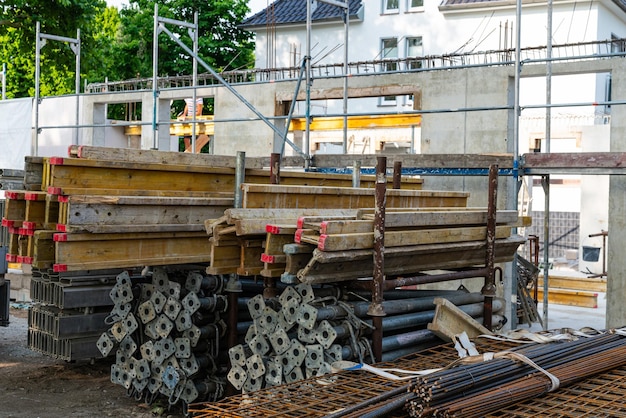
15,132
57,123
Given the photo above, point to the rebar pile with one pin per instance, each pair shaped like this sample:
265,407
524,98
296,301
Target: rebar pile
166,335
476,389
300,333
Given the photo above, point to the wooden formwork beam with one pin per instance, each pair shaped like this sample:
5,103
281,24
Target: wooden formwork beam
329,266
108,214
100,251
290,197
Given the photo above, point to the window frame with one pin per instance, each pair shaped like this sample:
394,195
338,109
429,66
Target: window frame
413,65
387,10
411,8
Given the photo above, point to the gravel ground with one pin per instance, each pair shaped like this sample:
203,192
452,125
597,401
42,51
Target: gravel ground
34,385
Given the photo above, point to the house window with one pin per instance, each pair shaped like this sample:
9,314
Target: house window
389,52
391,6
415,4
414,49
617,44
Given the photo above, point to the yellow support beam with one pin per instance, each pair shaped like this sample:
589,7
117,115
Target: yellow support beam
357,122
320,123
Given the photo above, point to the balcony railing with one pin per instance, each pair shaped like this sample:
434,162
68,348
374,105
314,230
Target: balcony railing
564,52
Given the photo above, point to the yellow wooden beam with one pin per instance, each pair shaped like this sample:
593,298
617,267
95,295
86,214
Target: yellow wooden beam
357,122
320,123
571,297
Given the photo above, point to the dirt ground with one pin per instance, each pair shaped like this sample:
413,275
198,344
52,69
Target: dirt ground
34,385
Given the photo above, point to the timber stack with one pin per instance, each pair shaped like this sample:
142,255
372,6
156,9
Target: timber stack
191,294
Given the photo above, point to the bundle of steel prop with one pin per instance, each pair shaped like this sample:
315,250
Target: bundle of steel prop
165,333
474,390
11,179
301,332
69,313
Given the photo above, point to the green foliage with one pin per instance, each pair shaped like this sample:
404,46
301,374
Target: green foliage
221,43
115,45
18,21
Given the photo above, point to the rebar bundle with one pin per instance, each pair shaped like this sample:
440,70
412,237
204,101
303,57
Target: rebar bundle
473,390
166,335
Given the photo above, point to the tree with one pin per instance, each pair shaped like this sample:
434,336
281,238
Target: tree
18,20
221,43
115,44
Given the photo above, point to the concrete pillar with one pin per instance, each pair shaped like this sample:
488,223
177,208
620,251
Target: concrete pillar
616,262
94,114
162,120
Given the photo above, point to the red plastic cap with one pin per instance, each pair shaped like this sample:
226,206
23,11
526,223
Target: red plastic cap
62,237
320,242
59,268
267,258
272,229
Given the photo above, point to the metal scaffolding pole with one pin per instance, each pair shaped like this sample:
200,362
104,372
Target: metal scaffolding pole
40,42
4,81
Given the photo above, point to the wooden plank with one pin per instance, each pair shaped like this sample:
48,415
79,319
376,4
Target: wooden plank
281,229
52,212
217,200
14,207
327,179
570,297
132,173
250,262
76,252
274,243
433,218
437,161
44,249
574,283
280,196
35,215
256,226
210,224
403,238
329,267
133,176
124,228
296,262
283,213
294,248
272,270
70,190
224,259
169,157
138,210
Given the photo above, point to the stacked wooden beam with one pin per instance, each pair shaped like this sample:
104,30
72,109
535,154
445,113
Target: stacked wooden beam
415,241
332,245
238,239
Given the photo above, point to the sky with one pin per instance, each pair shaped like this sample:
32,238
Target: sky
255,5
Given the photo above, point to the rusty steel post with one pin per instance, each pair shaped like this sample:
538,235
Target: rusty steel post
269,290
376,307
397,174
275,168
489,289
